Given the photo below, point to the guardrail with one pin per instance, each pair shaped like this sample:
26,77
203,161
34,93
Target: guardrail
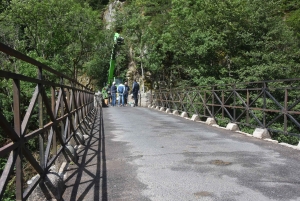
61,106
274,105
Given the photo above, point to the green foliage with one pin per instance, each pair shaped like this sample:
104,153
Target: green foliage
293,20
222,121
180,42
289,5
2,164
205,42
286,138
96,4
66,34
247,129
9,193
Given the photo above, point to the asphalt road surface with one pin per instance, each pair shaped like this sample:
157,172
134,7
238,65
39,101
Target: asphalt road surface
150,155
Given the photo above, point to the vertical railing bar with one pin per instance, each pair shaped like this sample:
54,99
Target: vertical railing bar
17,126
81,109
213,102
84,108
234,102
264,103
71,101
86,105
62,111
91,103
204,103
41,123
285,110
223,104
76,122
76,107
69,119
247,107
54,149
72,107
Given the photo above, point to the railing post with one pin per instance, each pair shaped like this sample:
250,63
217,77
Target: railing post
264,104
54,148
77,103
247,109
41,124
285,110
213,102
72,102
80,113
204,103
223,104
151,98
234,103
17,126
62,111
85,106
69,119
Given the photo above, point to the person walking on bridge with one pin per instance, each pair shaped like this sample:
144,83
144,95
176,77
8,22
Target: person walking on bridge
127,89
108,90
121,90
135,92
113,92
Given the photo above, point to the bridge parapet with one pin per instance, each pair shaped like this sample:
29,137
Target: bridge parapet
59,112
271,105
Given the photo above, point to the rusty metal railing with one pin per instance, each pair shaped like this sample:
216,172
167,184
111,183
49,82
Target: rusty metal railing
59,104
274,105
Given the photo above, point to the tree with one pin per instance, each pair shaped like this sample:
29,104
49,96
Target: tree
63,32
204,42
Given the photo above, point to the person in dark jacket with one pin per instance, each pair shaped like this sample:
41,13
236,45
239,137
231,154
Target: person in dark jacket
135,92
127,89
113,92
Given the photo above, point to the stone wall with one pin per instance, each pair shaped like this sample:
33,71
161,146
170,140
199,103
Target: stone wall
145,99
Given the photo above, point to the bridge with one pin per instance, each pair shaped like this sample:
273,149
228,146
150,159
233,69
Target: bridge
187,144
139,153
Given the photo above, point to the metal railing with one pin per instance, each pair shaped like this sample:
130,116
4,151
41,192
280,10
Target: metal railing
274,105
59,106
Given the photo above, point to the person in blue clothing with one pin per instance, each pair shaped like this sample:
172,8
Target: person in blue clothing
121,90
135,92
113,92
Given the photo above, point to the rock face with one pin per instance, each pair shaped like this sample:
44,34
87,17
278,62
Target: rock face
145,99
109,14
132,72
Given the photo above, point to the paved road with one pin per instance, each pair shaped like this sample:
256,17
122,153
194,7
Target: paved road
149,155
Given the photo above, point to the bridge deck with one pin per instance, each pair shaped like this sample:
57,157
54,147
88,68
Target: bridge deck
143,154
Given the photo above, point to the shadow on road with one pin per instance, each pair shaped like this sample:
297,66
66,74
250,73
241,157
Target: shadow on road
87,179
